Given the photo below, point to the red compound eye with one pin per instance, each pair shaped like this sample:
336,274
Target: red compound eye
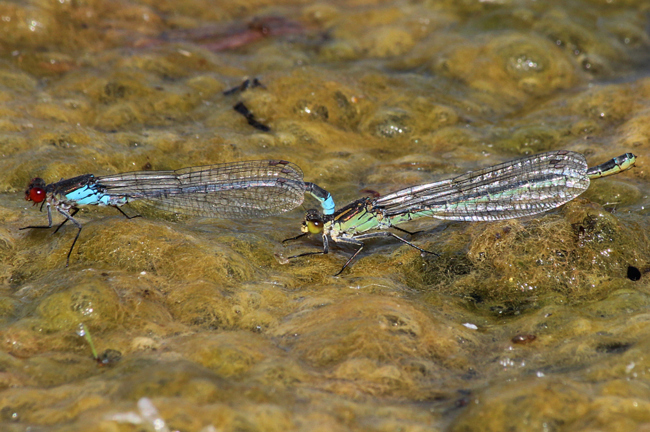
36,194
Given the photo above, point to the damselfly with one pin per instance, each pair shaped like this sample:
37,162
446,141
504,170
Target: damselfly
250,189
509,190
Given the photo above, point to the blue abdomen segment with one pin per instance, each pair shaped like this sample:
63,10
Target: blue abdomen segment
324,197
87,195
328,205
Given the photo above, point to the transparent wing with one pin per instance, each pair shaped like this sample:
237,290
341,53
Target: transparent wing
247,189
512,189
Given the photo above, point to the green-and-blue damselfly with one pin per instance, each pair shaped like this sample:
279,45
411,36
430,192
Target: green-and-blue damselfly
250,189
518,188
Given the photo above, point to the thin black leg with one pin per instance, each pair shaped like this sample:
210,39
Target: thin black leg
393,235
69,217
49,220
126,215
78,225
74,212
357,241
295,238
404,231
325,250
354,255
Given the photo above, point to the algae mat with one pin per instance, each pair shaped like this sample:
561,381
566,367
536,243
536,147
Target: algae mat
202,324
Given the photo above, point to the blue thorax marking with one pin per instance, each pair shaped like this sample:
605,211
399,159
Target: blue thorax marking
87,195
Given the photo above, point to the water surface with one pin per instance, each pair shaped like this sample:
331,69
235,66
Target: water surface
539,324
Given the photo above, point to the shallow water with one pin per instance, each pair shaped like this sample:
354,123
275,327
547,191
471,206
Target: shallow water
539,324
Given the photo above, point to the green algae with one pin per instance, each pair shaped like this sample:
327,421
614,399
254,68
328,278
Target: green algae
518,324
578,256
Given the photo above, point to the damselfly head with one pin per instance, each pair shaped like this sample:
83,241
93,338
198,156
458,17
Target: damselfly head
36,190
313,223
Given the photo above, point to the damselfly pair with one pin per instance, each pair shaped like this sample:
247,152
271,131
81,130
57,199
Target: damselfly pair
256,189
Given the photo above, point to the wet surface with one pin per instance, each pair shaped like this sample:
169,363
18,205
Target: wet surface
518,325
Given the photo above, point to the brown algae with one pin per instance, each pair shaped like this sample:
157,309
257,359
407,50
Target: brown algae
526,324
